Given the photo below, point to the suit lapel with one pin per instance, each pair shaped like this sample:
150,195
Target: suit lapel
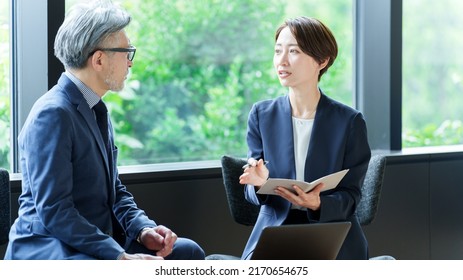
87,114
287,139
77,98
316,144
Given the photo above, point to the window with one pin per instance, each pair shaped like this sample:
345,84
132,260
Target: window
432,73
194,57
199,67
4,85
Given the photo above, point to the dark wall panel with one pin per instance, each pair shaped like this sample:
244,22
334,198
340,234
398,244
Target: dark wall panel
419,215
446,215
401,227
196,209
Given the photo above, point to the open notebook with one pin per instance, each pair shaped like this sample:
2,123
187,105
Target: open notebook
330,181
320,241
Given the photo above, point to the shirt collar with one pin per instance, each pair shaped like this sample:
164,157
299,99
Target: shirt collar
90,96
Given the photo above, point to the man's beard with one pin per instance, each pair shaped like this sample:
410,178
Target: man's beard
112,83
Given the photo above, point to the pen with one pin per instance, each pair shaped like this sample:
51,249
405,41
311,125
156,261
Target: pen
247,164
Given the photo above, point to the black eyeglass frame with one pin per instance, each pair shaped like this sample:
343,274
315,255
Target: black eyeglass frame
130,51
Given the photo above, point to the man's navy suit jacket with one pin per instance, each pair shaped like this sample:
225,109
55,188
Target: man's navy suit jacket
73,205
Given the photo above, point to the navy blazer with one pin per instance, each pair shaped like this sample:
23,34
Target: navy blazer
339,141
72,205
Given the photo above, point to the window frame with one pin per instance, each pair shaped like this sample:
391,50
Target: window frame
30,19
378,70
377,67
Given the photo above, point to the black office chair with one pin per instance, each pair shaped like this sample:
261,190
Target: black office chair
242,211
246,213
5,217
371,192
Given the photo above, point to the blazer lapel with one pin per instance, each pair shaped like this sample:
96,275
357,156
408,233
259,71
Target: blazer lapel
315,152
87,114
287,141
76,98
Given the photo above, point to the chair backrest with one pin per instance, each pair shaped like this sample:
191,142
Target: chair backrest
371,190
5,217
242,211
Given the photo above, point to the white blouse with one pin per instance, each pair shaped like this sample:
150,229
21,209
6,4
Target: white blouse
302,130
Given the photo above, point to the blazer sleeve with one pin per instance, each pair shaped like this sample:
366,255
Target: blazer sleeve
131,218
255,150
340,203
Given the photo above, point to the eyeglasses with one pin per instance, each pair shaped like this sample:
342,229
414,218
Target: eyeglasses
130,51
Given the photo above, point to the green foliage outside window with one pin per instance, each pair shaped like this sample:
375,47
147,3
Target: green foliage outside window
199,67
201,64
432,73
447,133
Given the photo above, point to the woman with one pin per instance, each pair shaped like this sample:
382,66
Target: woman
306,135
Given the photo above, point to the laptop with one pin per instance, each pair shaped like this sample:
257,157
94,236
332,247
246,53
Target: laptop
320,241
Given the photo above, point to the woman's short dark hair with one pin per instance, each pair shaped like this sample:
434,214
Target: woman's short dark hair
313,38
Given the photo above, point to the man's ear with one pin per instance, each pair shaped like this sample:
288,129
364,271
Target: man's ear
96,60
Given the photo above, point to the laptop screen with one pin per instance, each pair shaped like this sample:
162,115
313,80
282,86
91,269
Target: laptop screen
320,241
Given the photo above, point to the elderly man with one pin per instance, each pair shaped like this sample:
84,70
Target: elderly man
73,204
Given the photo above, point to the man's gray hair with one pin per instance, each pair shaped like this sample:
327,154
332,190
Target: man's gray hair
85,28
